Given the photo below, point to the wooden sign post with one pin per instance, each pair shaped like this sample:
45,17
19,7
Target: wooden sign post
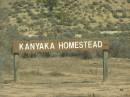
38,46
14,68
105,65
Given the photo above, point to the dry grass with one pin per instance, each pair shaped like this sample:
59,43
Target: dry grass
68,77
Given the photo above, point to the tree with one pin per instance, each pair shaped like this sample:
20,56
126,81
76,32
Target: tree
51,4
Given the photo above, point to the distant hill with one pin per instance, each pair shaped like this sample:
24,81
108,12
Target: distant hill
66,17
6,3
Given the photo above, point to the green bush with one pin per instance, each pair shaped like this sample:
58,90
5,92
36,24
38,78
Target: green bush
128,1
86,55
119,46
